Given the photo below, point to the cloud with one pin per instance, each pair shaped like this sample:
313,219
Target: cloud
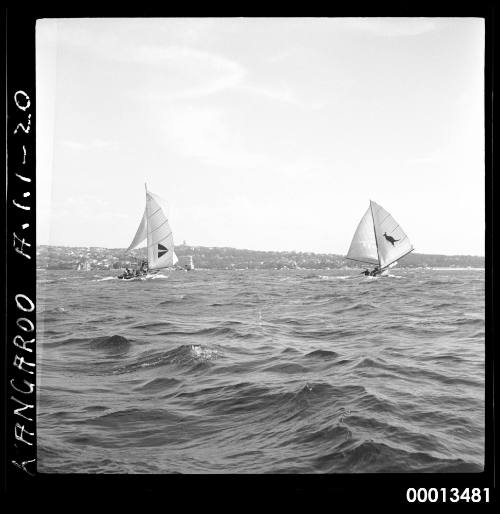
283,94
183,73
167,72
85,208
207,136
179,69
391,27
85,202
196,72
203,134
282,56
82,145
74,145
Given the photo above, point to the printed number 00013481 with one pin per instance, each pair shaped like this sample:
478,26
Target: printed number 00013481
454,495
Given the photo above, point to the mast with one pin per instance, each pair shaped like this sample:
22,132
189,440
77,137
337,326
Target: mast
375,232
147,222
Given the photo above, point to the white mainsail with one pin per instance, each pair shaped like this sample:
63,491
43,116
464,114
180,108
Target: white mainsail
392,242
378,239
154,227
160,239
364,246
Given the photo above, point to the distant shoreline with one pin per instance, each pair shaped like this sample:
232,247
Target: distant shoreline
78,257
225,248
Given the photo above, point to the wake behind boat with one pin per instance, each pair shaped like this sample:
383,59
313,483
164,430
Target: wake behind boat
155,228
379,241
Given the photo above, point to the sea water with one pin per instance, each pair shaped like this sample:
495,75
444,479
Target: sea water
285,371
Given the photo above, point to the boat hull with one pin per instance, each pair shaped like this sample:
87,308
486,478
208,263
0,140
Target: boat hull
142,276
131,277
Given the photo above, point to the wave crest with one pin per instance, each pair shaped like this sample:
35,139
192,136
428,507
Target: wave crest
184,356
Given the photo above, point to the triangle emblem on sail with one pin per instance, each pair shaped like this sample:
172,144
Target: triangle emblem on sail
379,239
162,250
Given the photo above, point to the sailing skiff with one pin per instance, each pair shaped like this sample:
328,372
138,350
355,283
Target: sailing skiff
379,240
155,228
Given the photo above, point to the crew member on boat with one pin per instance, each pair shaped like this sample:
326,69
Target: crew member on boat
373,273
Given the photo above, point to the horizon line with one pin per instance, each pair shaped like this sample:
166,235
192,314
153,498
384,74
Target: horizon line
248,250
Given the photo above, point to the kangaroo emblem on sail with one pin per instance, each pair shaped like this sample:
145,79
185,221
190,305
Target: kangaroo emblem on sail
390,239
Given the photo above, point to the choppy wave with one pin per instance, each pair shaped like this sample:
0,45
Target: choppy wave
181,356
262,372
113,342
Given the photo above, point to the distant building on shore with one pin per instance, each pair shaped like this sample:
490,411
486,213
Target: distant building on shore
83,265
186,262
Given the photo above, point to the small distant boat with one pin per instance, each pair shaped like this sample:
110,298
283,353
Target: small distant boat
185,263
379,240
154,227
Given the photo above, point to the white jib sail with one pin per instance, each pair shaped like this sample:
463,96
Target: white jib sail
140,235
392,242
159,234
363,246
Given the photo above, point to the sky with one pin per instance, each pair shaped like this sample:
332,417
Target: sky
261,133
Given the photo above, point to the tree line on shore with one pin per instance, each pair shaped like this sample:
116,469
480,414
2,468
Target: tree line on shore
63,257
